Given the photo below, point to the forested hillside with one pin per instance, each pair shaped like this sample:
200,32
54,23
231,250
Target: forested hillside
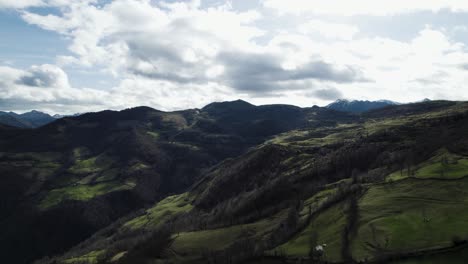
237,183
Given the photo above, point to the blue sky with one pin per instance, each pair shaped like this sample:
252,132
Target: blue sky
24,44
64,56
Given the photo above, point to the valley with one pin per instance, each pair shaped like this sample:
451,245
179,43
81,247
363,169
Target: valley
237,183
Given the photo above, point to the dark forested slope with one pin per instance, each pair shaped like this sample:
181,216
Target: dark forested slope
63,181
380,187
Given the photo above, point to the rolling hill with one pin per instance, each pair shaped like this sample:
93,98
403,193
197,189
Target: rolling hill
238,183
89,170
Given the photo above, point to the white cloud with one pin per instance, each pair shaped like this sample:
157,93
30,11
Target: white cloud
329,30
167,95
127,32
364,7
44,87
46,76
181,55
20,3
185,44
407,71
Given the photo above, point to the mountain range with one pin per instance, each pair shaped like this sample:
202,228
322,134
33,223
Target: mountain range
34,119
31,119
237,183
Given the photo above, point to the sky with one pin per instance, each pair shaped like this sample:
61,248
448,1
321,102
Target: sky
74,56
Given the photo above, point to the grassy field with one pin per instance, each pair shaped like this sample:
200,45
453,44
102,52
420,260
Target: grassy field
107,175
327,227
90,258
82,192
316,201
444,165
408,215
162,211
189,245
91,165
374,126
316,137
151,219
411,215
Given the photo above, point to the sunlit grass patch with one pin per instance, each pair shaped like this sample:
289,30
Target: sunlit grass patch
90,258
411,215
192,244
327,227
162,211
153,134
82,192
107,175
91,165
444,165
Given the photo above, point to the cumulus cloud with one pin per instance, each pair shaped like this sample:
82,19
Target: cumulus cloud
20,3
328,94
364,7
177,54
46,88
263,73
169,96
185,44
41,86
46,76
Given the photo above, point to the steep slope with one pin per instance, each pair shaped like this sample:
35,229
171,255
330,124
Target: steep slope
331,185
89,170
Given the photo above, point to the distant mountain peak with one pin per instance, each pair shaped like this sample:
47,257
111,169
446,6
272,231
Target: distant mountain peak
228,106
35,113
359,106
30,119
